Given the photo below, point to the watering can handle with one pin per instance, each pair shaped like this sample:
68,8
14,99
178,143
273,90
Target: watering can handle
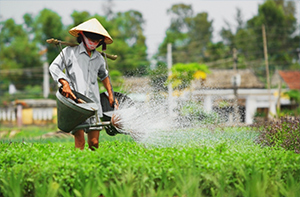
56,42
77,100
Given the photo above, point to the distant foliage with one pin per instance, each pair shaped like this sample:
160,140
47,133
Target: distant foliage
294,96
158,77
284,133
183,74
193,113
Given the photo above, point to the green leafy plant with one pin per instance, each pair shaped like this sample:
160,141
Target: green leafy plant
284,133
294,95
195,112
183,74
158,77
12,184
222,162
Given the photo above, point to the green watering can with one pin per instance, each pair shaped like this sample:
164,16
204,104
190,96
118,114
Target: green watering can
71,115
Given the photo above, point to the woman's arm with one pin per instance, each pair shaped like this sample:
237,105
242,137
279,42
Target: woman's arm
108,87
57,66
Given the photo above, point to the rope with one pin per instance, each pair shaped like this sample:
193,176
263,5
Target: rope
66,68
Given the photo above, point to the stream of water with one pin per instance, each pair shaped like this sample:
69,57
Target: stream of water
151,123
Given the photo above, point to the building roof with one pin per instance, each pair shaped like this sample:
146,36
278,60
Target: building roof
217,79
221,79
291,78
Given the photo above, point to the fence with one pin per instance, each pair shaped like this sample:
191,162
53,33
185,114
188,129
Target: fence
29,112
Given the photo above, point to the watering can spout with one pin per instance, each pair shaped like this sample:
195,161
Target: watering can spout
109,112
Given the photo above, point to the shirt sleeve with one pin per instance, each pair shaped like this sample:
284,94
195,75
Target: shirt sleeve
102,72
57,66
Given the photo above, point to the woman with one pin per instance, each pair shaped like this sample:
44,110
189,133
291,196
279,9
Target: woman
84,65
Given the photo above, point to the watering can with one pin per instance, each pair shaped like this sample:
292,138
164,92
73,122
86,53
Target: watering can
71,115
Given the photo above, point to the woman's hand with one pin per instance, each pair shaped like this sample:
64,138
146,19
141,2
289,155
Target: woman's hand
113,103
66,90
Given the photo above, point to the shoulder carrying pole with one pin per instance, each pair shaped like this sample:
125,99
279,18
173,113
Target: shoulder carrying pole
57,42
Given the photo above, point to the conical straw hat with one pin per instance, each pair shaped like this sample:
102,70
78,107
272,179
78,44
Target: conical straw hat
93,26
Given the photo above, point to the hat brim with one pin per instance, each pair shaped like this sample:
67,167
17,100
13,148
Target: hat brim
92,26
75,33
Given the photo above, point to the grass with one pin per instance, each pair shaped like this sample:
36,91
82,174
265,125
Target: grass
27,131
223,162
34,134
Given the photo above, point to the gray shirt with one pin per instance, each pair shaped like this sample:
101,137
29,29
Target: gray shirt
83,71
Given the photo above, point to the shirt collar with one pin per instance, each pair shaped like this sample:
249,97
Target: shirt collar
83,50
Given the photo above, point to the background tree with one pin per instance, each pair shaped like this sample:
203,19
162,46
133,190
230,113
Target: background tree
183,74
238,36
19,57
47,24
176,34
278,16
189,34
200,36
130,43
79,17
280,27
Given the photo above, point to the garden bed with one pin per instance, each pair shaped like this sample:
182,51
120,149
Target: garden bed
225,162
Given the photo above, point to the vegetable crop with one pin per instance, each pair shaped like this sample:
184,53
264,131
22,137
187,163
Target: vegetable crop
223,163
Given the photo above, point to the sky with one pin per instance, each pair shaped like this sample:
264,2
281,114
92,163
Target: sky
154,12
